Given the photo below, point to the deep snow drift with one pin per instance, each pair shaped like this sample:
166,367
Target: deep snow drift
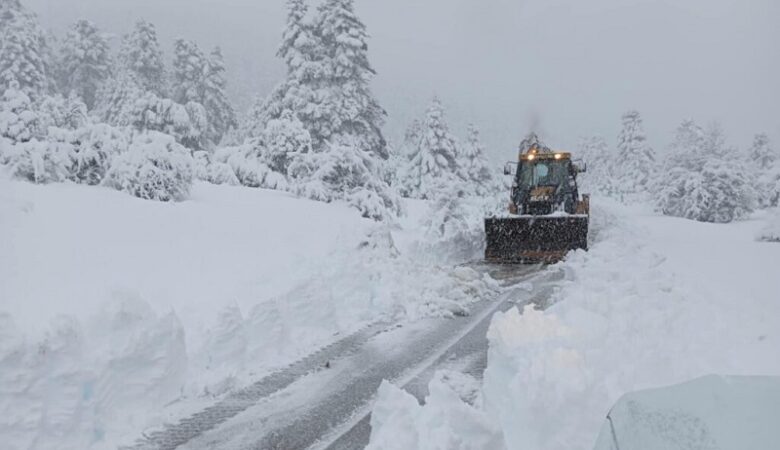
656,301
112,307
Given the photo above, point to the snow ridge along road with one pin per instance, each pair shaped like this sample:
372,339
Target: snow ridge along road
324,400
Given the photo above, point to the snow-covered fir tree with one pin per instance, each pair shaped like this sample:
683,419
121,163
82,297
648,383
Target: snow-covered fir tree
761,154
23,51
348,108
86,61
219,112
189,68
474,165
117,98
142,57
635,160
302,53
598,157
433,162
764,163
201,79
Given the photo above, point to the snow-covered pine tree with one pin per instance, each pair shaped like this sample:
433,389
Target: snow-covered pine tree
117,99
433,162
635,163
761,154
142,58
301,51
599,158
219,112
19,121
348,109
474,166
86,61
189,69
200,79
23,50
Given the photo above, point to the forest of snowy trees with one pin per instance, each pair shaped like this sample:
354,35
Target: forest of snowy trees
84,109
698,177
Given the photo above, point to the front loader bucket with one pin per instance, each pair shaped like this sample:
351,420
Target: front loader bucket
534,239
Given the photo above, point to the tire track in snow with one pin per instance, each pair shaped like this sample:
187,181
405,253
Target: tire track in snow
175,435
353,401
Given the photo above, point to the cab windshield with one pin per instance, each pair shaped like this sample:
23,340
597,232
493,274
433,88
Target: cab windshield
543,173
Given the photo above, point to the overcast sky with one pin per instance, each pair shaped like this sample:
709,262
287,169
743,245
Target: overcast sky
568,67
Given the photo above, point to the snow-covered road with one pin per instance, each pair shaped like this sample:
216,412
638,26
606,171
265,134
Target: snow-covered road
324,400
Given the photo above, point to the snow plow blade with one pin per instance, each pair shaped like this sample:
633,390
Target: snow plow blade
534,239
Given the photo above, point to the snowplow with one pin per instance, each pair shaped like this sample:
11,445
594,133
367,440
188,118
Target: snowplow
547,217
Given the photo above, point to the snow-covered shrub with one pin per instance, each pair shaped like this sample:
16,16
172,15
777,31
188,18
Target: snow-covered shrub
19,121
719,193
93,149
155,167
771,231
246,166
38,161
701,181
215,172
186,123
58,111
281,138
453,225
344,172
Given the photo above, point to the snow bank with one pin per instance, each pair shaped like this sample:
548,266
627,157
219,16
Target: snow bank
656,301
399,422
112,307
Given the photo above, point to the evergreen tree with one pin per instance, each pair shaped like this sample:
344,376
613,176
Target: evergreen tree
433,162
86,63
349,108
474,165
599,159
142,58
189,68
635,161
761,154
198,79
219,112
117,98
23,51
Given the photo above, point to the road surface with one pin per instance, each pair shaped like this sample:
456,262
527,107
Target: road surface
324,400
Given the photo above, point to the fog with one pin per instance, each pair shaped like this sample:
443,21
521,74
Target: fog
567,68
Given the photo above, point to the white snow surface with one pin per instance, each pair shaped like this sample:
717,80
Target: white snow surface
656,301
112,307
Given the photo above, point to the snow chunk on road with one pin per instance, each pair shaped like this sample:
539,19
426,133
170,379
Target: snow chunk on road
398,422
